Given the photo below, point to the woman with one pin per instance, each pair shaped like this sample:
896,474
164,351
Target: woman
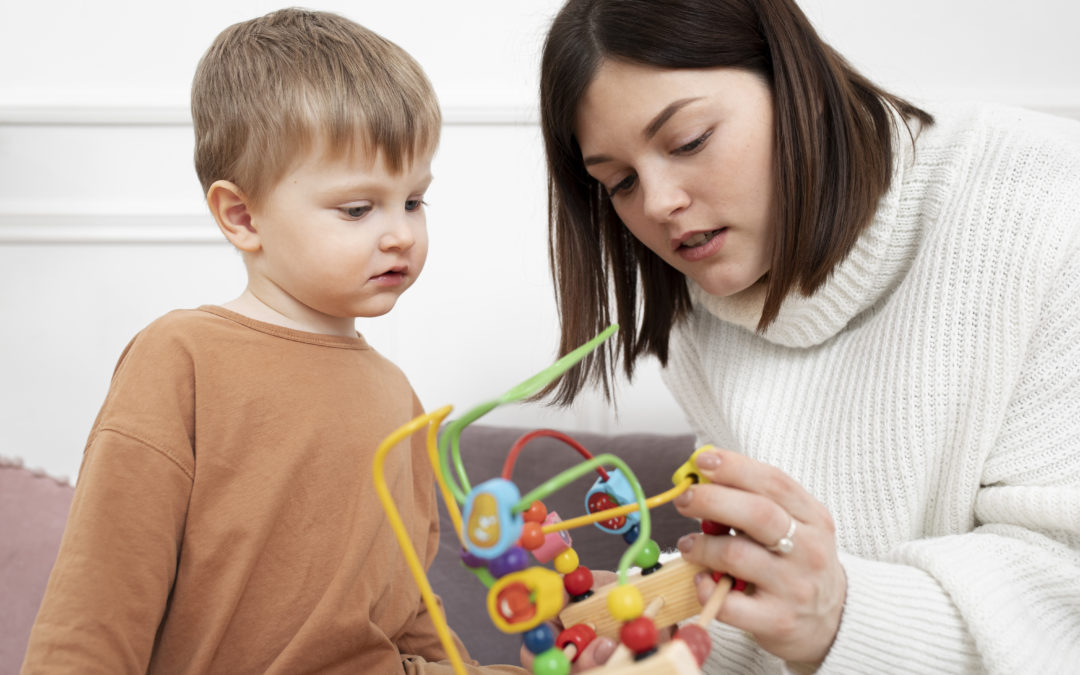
872,310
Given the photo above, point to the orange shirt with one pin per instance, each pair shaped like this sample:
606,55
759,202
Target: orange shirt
225,519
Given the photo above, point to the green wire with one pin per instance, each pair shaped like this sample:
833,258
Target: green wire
563,479
449,440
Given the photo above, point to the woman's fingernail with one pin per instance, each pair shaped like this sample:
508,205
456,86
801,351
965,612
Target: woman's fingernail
708,460
605,647
685,498
686,543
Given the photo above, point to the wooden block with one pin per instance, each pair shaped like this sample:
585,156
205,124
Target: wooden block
674,582
673,658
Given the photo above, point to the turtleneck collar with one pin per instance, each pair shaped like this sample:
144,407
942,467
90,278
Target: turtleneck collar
876,264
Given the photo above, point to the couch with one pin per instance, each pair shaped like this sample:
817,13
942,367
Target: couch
33,509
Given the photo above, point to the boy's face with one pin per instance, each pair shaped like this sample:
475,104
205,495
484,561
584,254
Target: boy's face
340,238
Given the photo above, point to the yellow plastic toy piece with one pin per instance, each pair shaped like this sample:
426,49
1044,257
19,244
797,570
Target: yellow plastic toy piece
688,469
520,601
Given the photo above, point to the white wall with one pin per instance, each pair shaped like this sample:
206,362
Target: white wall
102,226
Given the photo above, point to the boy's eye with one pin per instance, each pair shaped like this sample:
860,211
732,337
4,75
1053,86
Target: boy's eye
414,204
355,211
624,184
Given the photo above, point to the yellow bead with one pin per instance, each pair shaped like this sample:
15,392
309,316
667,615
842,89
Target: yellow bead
625,603
566,562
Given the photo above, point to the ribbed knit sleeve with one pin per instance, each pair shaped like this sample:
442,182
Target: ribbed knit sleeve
936,415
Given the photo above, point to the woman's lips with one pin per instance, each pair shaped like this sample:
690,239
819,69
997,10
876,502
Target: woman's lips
705,249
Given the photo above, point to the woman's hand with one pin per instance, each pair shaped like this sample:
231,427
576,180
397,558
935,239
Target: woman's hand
798,594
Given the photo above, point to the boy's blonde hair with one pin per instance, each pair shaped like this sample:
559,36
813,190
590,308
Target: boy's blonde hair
269,89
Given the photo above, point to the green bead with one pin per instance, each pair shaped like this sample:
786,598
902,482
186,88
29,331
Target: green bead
551,662
648,556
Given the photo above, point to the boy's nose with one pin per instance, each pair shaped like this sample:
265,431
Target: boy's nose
398,235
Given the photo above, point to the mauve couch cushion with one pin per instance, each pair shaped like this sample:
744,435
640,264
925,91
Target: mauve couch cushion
33,510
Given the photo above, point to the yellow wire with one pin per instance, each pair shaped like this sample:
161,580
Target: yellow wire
402,535
433,456
652,502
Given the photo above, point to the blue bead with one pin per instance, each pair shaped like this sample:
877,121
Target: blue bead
631,535
539,639
513,560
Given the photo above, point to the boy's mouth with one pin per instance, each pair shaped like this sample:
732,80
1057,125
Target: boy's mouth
392,275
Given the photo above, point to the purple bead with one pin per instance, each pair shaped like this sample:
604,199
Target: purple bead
471,560
514,560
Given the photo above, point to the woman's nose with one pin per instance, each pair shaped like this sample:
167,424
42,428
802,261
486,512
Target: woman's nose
664,196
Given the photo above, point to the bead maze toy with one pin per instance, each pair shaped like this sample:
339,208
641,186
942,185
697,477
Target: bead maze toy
498,529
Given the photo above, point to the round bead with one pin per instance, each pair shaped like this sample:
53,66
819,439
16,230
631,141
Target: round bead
697,639
648,556
736,584
579,635
566,562
713,527
513,560
631,535
532,535
578,582
639,635
535,513
539,639
551,662
625,603
471,560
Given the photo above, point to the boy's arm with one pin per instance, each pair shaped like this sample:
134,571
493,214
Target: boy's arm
108,589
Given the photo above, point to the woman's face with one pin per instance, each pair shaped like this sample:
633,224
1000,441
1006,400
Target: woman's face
686,157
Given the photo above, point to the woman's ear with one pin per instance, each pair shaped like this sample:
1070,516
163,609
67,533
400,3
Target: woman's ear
230,209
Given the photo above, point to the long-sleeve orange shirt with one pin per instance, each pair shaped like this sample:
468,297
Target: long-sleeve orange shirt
225,519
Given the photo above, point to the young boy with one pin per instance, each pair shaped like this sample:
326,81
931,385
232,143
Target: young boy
225,519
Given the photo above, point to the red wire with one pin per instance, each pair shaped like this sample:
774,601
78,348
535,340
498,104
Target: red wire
511,458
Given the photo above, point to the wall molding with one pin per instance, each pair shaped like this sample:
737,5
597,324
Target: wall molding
108,228
177,116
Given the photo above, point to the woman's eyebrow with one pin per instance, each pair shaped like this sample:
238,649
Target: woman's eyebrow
652,128
660,120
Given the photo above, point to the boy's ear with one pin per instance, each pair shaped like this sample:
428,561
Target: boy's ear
230,209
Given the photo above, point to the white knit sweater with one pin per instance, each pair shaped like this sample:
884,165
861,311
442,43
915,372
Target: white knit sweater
929,395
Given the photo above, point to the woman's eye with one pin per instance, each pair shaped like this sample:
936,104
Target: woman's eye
622,186
414,204
355,211
693,145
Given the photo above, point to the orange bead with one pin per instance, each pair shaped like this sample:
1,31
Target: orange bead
535,513
532,536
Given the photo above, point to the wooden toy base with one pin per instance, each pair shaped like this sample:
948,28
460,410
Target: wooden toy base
673,658
674,582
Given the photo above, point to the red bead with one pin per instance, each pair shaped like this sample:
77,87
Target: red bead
579,581
532,536
535,513
639,635
736,584
713,527
697,639
579,635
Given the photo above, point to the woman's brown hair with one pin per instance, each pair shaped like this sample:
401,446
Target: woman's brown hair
834,156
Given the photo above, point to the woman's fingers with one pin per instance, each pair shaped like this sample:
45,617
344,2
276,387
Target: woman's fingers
743,473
